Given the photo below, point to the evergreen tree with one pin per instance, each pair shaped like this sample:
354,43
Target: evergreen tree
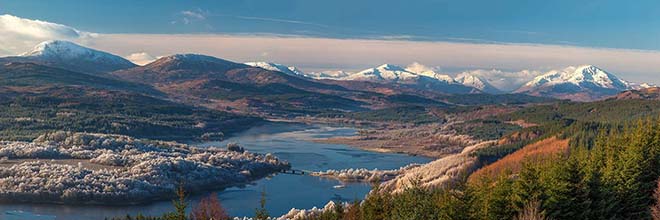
261,213
567,196
528,187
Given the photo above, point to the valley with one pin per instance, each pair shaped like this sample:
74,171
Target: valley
124,132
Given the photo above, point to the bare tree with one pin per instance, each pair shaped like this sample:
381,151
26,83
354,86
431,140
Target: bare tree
531,211
209,208
655,209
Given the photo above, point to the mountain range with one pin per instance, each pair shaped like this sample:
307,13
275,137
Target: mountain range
581,83
206,76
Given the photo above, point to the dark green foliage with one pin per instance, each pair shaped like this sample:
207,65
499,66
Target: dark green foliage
485,129
610,111
500,99
615,178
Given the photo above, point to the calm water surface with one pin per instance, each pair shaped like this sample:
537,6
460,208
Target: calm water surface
292,142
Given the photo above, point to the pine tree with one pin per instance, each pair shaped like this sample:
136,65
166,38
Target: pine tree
376,206
567,196
528,187
261,213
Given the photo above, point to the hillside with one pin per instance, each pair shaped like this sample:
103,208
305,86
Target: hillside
542,150
71,56
26,113
652,93
36,99
17,74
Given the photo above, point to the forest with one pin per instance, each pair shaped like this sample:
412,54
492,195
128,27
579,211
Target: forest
614,175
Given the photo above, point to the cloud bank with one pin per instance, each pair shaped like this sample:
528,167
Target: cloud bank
505,80
319,54
18,35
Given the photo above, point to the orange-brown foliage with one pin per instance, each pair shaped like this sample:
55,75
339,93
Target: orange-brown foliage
209,208
537,152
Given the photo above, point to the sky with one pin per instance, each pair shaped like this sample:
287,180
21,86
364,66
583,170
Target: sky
505,39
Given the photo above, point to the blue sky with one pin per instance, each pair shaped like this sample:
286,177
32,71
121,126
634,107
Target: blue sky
506,41
589,23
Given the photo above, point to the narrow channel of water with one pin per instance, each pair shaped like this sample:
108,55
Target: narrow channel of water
288,141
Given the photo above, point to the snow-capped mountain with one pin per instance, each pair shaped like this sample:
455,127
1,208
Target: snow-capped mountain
277,67
68,55
336,75
581,83
642,85
385,73
476,82
428,71
388,73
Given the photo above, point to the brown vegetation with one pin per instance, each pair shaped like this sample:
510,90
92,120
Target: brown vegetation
538,151
209,208
431,140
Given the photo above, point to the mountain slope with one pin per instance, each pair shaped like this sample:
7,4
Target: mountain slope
71,56
17,74
277,67
35,99
429,72
583,83
651,93
224,84
477,82
388,73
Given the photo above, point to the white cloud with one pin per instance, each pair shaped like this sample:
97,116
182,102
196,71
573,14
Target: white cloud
417,67
140,58
18,35
189,17
193,14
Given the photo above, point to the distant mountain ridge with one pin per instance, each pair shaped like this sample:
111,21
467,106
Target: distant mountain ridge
277,67
582,83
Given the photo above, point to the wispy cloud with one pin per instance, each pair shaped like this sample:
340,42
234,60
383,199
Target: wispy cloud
17,35
525,32
277,20
190,16
193,14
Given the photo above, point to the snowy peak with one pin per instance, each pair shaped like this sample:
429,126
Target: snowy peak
336,75
73,56
384,73
582,83
427,79
277,67
586,75
476,82
429,72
